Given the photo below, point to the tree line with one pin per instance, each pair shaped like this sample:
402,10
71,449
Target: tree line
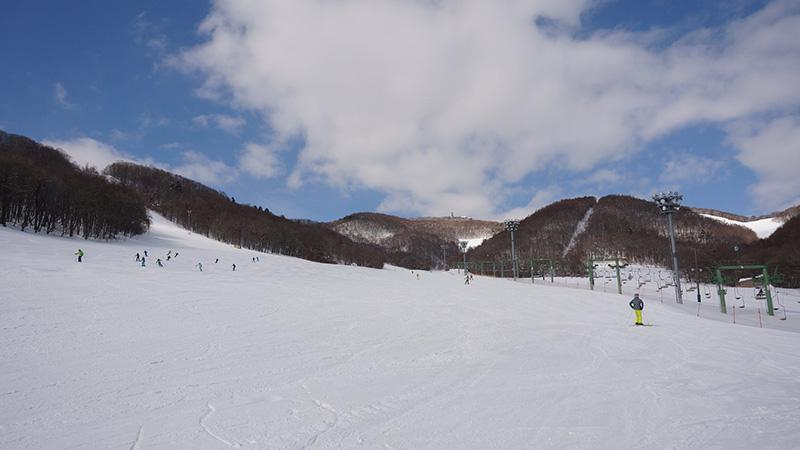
43,191
214,214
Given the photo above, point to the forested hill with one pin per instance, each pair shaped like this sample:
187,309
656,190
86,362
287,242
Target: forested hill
214,214
574,230
41,190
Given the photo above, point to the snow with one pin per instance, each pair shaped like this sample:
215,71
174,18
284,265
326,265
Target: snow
763,228
474,242
580,228
285,353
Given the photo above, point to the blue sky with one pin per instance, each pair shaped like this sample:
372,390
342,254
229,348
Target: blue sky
487,109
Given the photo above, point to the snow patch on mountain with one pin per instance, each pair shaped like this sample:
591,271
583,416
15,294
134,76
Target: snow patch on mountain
763,228
579,229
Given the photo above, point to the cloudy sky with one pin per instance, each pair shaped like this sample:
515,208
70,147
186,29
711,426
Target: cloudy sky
491,109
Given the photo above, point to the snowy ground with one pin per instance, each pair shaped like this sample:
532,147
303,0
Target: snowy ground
285,353
763,228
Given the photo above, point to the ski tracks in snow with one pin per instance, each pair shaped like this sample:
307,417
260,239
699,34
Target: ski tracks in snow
204,418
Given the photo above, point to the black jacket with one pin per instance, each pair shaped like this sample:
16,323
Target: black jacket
637,304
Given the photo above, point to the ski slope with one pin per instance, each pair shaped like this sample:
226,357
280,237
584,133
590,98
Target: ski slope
285,353
763,228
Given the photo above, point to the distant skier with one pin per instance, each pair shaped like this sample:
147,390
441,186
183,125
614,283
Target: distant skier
466,278
158,261
145,253
176,254
254,259
169,252
79,254
234,268
142,261
169,257
216,260
138,257
418,275
200,266
638,305
258,259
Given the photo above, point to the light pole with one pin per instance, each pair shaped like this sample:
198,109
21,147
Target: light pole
511,227
463,246
669,203
444,256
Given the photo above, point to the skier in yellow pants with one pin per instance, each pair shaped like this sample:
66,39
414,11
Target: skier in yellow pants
638,305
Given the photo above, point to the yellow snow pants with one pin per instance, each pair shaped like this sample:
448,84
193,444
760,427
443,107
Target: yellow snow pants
638,316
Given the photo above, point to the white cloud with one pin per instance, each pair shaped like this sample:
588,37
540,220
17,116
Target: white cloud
689,169
86,151
229,124
60,95
772,149
260,161
444,105
200,167
602,176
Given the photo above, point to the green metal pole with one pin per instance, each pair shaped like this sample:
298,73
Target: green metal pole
552,271
619,277
590,267
502,269
770,309
722,307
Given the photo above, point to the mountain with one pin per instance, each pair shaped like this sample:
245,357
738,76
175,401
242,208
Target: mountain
780,251
572,231
414,243
214,214
41,190
763,225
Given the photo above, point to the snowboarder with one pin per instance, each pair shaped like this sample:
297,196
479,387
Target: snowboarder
234,268
138,258
200,266
79,254
142,261
158,261
638,305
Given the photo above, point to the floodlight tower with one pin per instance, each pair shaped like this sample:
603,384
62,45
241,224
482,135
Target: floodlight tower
669,203
463,246
511,227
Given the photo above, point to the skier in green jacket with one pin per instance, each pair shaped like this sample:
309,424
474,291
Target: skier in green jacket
79,254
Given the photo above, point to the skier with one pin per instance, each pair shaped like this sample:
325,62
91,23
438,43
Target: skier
138,257
169,252
200,266
234,268
169,257
254,259
79,254
638,305
466,278
158,261
258,259
142,261
216,260
418,275
145,253
176,254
